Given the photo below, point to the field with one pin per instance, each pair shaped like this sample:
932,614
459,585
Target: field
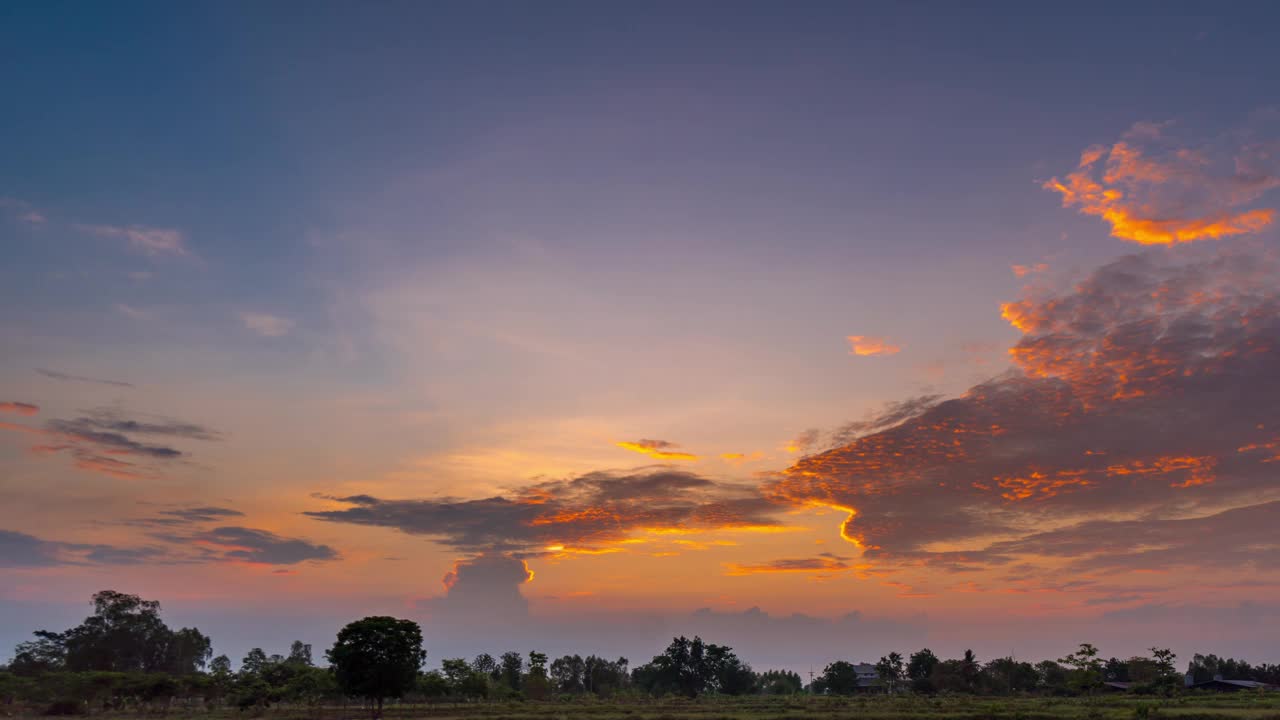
1187,707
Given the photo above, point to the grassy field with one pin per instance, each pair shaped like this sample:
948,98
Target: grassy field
1189,707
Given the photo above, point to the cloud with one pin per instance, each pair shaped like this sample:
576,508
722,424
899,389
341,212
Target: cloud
819,566
1025,270
19,550
1156,192
22,210
804,441
484,586
868,345
660,449
1146,395
146,240
219,545
242,544
18,408
79,378
108,419
100,442
187,516
590,513
265,324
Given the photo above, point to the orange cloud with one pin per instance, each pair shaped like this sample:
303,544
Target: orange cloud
1168,195
660,449
19,408
868,345
1025,270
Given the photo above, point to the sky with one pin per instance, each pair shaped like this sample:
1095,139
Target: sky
820,330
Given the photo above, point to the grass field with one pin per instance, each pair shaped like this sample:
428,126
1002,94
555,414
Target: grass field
1188,707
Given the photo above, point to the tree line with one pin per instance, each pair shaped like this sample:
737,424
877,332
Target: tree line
124,656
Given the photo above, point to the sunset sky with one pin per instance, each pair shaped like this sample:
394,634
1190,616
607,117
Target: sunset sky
819,329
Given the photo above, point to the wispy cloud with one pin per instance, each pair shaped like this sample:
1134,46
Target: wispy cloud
265,324
660,449
55,375
22,210
868,345
18,408
101,442
149,241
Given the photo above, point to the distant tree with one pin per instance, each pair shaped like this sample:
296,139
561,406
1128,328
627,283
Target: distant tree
969,671
124,634
890,670
433,684
463,680
512,665
780,682
221,665
377,657
840,678
299,654
48,652
1166,671
536,684
1052,676
1086,672
485,664
1115,670
568,674
255,662
1005,675
920,670
691,667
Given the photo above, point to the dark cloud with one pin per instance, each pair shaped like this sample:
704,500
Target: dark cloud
200,514
19,550
589,512
1145,395
894,413
244,544
821,565
110,420
22,550
85,430
80,378
98,442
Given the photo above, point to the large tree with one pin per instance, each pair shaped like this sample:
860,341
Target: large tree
378,657
125,633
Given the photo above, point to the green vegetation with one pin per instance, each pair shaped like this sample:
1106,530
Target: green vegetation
124,662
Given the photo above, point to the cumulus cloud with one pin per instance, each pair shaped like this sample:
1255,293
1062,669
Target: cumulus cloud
869,345
265,324
18,408
591,513
150,241
1155,191
1146,395
484,586
660,449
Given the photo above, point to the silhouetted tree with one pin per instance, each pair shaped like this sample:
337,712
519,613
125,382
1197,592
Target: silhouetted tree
378,657
889,670
840,678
